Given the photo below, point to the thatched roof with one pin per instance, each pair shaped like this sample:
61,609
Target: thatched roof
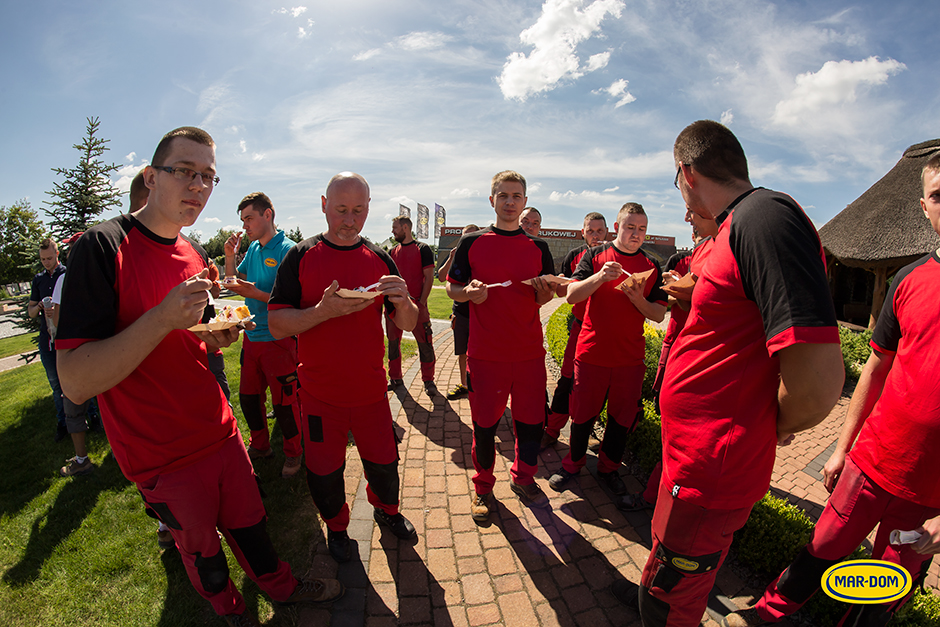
885,226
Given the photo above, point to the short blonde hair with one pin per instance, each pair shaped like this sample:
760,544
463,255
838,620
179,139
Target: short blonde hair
507,175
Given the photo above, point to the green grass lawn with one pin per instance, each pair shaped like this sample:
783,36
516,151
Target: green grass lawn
81,551
439,304
17,344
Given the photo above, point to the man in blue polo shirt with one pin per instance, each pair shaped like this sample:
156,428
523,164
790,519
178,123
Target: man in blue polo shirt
43,283
266,362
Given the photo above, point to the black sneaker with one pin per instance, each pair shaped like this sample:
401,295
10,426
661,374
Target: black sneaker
394,384
613,482
431,389
633,503
460,391
560,479
338,544
397,523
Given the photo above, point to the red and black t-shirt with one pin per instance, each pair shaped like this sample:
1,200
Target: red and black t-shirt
899,444
568,265
506,326
169,412
612,329
412,258
762,289
342,358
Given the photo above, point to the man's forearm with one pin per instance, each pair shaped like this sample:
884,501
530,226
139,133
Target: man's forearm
867,392
457,292
581,290
653,311
32,309
95,367
811,378
230,265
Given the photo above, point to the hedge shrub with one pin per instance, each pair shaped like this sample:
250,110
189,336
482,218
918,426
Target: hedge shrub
556,332
855,351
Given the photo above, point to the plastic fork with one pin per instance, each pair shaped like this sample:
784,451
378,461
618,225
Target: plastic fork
367,289
503,284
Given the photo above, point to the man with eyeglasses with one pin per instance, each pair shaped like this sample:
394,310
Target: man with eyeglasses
757,361
136,288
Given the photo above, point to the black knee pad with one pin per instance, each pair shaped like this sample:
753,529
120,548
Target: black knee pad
425,352
383,479
213,572
562,395
530,441
578,438
485,436
328,492
801,578
256,546
615,440
251,408
284,414
394,350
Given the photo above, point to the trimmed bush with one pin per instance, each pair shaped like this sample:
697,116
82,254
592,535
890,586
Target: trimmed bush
646,441
855,351
556,332
654,344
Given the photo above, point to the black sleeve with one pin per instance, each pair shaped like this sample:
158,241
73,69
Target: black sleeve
392,270
427,256
586,266
779,256
657,294
887,333
548,262
34,290
287,288
460,271
89,292
566,263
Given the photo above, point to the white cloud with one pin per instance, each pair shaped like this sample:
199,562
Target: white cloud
295,11
598,61
531,188
367,54
556,196
243,145
612,189
422,41
837,83
618,89
302,33
465,193
257,156
211,220
555,36
131,157
726,117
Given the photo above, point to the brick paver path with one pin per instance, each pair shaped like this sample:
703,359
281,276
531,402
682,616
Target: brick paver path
526,567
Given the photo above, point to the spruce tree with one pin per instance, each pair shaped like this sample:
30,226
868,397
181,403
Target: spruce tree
86,191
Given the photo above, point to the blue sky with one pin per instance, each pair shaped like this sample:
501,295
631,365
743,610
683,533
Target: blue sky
428,100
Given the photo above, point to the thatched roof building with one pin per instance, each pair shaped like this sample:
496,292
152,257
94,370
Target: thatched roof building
885,228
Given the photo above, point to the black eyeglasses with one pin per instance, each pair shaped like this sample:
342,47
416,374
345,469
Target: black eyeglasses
189,175
678,172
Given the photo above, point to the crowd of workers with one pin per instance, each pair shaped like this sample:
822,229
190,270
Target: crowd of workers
751,357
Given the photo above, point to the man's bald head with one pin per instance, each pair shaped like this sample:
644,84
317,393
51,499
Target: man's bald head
347,178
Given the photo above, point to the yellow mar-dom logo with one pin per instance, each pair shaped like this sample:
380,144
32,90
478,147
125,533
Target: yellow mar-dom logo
684,564
269,262
866,581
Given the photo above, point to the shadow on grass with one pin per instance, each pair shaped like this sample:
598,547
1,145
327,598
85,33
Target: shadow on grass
73,504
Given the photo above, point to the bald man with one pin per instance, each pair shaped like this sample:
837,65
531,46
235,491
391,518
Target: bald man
342,377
